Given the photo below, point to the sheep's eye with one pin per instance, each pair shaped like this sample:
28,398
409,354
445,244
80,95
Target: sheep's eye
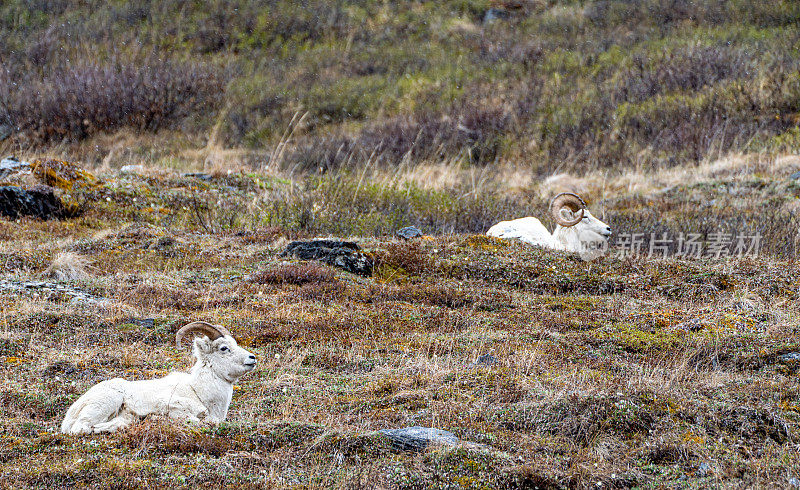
223,348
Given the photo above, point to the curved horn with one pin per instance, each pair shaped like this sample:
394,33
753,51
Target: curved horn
567,200
213,332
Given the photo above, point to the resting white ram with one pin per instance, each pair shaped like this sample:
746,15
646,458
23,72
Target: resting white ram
577,230
201,395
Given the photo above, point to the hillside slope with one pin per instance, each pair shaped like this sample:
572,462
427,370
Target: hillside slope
542,83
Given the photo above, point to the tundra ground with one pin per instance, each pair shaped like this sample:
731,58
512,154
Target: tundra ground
553,372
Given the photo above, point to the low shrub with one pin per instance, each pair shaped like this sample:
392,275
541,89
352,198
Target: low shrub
75,101
297,274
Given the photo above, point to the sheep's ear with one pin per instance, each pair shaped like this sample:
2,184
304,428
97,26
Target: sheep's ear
202,344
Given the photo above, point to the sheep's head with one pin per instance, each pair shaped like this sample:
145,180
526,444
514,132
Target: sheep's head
568,209
587,234
215,347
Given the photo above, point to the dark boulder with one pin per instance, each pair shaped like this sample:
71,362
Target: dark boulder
409,232
344,255
38,202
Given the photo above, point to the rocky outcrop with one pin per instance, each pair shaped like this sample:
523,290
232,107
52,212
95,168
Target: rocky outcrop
63,175
50,291
38,202
344,255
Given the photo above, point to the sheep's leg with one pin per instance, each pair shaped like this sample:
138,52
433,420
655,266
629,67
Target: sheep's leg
101,403
121,421
187,409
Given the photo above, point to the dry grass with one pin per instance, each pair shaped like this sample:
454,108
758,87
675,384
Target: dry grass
68,266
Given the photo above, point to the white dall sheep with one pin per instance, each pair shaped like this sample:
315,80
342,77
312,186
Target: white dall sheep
201,395
576,230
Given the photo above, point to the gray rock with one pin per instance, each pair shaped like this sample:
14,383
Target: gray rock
10,165
6,130
49,288
418,438
487,359
409,232
132,169
744,306
791,356
495,14
344,255
794,482
484,360
38,202
198,175
795,176
140,322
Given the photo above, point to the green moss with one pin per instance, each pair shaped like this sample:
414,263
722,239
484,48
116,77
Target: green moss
633,338
465,467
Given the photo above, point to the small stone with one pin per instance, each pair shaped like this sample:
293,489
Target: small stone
704,469
794,482
744,306
198,175
11,165
409,232
485,360
141,322
795,176
791,356
132,169
418,438
494,14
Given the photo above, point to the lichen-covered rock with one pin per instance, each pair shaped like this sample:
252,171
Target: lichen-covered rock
63,175
38,202
344,255
418,438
